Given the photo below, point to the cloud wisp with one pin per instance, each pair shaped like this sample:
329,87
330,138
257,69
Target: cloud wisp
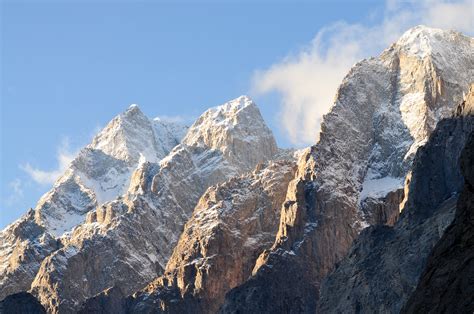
307,81
64,157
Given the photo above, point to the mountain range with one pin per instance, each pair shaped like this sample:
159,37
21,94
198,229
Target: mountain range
376,216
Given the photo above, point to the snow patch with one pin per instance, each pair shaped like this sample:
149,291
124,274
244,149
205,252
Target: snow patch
377,188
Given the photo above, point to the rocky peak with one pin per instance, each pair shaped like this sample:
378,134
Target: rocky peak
432,67
422,41
236,129
127,137
132,135
100,173
102,170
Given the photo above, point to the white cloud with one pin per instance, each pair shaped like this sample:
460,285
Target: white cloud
64,157
307,81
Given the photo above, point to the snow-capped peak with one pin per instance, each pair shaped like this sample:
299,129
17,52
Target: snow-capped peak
102,170
132,111
126,136
132,134
232,127
236,104
422,41
223,118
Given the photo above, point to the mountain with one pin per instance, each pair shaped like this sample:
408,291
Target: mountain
327,204
101,172
385,109
154,217
385,263
132,236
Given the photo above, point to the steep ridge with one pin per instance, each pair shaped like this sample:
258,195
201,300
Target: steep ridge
384,265
133,236
100,173
23,244
384,110
232,223
446,284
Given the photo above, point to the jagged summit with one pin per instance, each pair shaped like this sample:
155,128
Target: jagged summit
233,128
127,136
102,170
132,110
423,41
224,117
235,104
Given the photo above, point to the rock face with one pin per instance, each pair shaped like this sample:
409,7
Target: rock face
383,210
446,284
23,244
21,303
385,109
100,173
232,223
132,237
111,300
385,263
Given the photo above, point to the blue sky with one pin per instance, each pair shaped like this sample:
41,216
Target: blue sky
68,67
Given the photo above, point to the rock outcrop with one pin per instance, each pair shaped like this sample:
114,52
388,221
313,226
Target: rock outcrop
23,244
384,111
385,263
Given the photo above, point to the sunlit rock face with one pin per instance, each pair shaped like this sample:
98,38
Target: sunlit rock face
385,109
232,223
